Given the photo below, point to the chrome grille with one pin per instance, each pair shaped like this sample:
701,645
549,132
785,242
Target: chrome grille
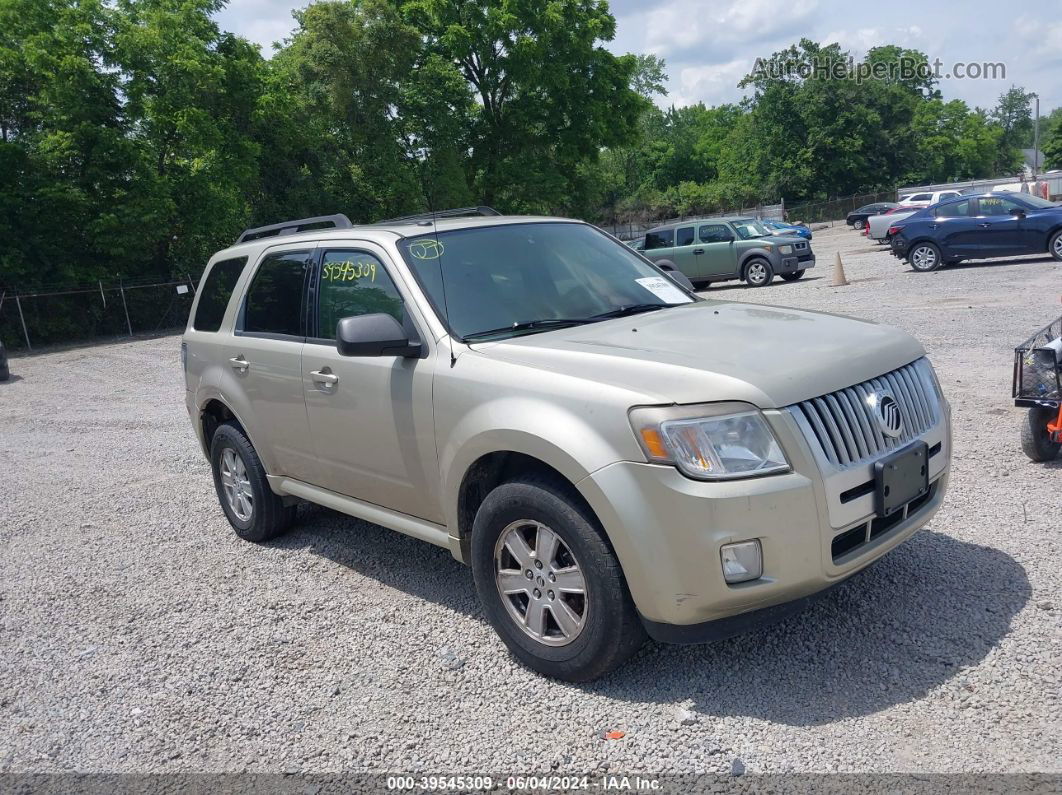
844,424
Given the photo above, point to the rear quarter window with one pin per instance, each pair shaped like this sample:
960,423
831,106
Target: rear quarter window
215,292
665,238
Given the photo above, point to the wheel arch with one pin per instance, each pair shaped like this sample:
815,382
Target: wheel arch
491,470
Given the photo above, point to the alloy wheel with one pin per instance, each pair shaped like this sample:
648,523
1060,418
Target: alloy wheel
1057,247
757,273
923,258
541,583
237,485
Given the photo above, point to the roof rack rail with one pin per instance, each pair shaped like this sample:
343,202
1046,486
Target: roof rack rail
459,212
338,221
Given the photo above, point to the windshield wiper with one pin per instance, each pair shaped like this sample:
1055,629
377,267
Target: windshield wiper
526,325
631,309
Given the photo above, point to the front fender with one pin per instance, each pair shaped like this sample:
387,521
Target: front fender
758,253
553,434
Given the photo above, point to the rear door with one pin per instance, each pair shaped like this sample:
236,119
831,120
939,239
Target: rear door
263,373
719,257
683,255
955,229
370,416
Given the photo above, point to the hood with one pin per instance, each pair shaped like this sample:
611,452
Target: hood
718,350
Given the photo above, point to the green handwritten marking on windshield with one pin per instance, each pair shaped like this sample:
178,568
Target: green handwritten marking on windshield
426,249
350,271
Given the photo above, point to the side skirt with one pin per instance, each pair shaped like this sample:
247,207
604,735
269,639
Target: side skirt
393,520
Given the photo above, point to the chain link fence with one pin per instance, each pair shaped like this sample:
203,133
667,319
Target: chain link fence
634,229
32,319
835,209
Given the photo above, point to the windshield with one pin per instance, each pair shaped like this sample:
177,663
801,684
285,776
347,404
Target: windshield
514,279
1037,202
749,228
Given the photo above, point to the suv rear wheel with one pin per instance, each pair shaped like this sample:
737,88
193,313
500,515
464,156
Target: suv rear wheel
549,583
253,510
925,257
758,273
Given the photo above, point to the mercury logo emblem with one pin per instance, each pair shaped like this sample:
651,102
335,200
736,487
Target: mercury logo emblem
887,413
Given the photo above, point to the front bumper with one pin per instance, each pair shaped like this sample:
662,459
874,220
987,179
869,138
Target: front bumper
668,529
793,263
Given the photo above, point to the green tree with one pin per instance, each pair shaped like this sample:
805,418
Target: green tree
549,95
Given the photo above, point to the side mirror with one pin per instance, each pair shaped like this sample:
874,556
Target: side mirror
374,335
673,273
1017,212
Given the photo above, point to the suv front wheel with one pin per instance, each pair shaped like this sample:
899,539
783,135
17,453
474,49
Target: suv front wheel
758,273
253,510
550,584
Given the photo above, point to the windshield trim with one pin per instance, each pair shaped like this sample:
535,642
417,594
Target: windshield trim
442,315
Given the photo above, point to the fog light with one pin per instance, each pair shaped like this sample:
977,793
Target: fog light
742,561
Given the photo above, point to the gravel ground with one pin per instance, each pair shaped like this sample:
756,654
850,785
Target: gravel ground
137,633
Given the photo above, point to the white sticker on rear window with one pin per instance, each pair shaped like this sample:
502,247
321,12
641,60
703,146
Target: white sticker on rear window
664,289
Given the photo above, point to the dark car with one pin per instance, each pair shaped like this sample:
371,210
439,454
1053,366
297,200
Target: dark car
978,227
5,373
858,218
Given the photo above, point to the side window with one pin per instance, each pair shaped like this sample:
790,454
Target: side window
996,205
276,295
214,293
956,210
684,236
665,238
715,233
922,197
353,283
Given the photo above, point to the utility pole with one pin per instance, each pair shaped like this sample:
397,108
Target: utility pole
1036,139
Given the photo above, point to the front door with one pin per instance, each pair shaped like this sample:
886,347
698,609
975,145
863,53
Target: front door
719,257
998,228
370,417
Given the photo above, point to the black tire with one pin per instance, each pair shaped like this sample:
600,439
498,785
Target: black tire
751,268
612,631
1035,440
1054,245
925,257
792,276
858,224
268,517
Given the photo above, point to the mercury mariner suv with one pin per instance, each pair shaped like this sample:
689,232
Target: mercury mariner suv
612,455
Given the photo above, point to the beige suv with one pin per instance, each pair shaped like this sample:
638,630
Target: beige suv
611,454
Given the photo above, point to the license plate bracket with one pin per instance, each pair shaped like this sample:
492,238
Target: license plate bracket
900,478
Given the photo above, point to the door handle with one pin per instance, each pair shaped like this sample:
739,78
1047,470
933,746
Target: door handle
324,377
985,225
698,251
239,364
933,226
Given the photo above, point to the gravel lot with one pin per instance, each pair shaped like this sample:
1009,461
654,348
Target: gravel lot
137,633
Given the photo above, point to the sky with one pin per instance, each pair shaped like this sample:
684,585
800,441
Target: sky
709,46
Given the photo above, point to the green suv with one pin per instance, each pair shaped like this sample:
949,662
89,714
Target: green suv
721,249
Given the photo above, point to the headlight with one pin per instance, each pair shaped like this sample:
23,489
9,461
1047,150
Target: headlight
786,249
714,441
